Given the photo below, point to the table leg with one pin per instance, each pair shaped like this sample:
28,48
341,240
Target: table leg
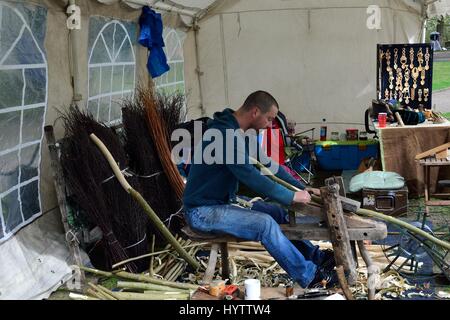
426,173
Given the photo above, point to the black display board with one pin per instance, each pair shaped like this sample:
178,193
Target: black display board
405,73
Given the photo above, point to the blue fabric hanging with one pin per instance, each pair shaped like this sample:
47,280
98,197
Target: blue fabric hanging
151,37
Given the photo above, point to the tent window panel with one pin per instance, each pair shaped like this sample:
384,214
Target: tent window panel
108,35
116,113
106,80
117,78
100,53
119,37
103,111
25,51
9,130
126,53
180,88
117,74
9,171
29,195
128,78
157,81
23,95
179,70
11,85
29,162
9,30
32,124
94,81
93,107
35,86
11,211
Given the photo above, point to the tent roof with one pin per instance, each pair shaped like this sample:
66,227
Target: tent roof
439,8
199,7
188,9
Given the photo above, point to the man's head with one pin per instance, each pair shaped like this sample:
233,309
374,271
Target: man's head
261,109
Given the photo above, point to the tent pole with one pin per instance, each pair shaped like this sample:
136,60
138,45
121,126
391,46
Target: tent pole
198,71
74,40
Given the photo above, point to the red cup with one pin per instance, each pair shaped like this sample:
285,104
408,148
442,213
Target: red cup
382,120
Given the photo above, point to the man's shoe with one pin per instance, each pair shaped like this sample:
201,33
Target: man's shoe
324,279
328,263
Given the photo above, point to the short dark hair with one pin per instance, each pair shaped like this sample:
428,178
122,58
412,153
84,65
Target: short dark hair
261,99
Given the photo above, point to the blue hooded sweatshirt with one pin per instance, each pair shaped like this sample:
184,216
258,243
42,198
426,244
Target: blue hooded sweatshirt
216,183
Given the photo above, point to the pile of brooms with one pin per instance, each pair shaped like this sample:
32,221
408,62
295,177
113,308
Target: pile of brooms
122,214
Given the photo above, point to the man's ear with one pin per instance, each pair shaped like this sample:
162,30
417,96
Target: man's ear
255,111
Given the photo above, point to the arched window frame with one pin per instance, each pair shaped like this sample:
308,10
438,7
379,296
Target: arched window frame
22,187
94,100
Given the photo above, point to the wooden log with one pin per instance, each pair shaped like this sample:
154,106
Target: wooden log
338,231
311,231
60,188
343,283
370,269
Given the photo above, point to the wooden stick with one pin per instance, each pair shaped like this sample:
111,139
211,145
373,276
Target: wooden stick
152,296
97,272
148,286
108,292
143,278
102,291
138,197
433,151
403,224
140,277
343,283
77,296
96,294
152,249
369,263
60,188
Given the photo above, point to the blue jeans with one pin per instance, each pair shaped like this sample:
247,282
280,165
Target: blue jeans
261,223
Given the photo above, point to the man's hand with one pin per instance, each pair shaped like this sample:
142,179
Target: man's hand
314,191
302,197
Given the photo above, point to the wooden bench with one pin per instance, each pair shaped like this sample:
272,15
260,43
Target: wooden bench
340,228
218,243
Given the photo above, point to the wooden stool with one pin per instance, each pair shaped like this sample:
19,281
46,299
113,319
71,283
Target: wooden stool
218,242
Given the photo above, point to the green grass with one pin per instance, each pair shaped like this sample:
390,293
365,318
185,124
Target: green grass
441,75
447,115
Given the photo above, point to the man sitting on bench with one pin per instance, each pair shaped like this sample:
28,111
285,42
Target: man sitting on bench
219,163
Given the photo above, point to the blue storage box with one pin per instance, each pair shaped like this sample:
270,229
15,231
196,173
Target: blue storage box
344,155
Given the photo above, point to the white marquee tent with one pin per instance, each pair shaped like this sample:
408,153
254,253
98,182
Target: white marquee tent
316,57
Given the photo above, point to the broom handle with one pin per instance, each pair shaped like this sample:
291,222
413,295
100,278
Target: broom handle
138,198
115,168
361,212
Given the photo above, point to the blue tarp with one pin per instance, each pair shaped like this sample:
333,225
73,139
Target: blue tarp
151,38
